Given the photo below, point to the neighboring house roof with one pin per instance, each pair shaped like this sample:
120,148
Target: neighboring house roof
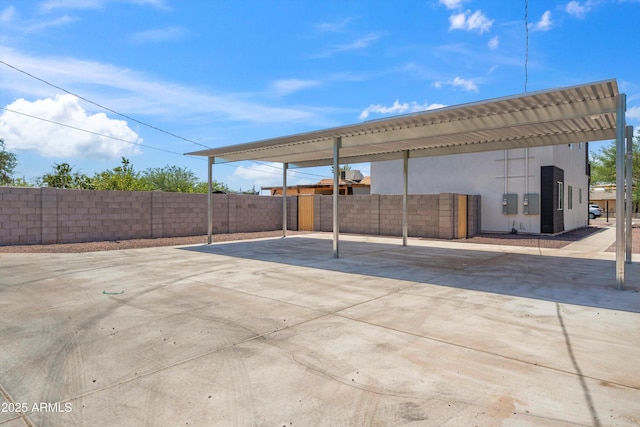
329,181
323,184
603,195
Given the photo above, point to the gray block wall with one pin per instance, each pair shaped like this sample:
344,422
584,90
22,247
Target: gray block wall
52,215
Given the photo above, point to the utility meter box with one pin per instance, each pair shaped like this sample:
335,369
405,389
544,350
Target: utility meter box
510,203
531,204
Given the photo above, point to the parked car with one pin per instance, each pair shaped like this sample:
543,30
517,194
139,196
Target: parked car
594,211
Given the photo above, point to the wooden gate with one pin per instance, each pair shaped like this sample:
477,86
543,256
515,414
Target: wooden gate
462,216
305,212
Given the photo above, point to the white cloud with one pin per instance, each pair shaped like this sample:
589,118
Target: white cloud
7,14
458,82
574,8
333,27
358,44
50,140
62,20
452,4
289,86
267,175
50,5
397,108
470,21
160,35
13,24
633,115
494,43
544,24
136,93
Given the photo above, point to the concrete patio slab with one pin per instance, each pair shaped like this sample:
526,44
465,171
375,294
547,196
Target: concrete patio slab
277,332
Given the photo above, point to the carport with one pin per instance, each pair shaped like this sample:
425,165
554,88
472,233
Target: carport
582,113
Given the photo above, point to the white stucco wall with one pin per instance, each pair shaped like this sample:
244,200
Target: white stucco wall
484,174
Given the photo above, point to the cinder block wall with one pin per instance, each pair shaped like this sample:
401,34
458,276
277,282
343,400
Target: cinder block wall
53,215
87,215
20,216
234,213
428,215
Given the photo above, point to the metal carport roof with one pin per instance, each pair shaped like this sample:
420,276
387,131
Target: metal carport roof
559,116
583,113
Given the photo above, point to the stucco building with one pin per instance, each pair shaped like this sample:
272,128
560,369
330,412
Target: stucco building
531,190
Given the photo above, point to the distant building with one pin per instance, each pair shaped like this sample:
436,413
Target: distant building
324,186
604,196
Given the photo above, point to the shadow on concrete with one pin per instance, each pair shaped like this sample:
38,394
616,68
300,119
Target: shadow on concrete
574,361
580,281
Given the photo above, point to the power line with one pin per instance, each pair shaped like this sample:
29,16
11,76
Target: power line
91,132
125,116
102,106
140,144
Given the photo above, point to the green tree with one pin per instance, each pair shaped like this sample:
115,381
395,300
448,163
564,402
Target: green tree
343,168
121,178
202,187
63,176
603,168
21,182
171,179
8,163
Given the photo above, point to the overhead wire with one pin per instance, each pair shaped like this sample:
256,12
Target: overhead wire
92,132
138,143
127,117
102,106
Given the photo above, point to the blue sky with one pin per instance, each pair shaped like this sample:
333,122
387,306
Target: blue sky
214,73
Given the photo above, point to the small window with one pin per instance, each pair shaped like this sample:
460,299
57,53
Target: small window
570,197
560,195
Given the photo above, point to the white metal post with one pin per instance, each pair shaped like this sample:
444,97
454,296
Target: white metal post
209,200
629,193
620,211
405,196
337,142
284,199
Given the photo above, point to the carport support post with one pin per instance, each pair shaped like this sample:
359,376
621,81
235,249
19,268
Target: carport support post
620,211
629,179
405,195
337,142
284,199
210,200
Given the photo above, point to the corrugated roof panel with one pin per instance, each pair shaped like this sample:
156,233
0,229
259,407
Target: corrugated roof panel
576,114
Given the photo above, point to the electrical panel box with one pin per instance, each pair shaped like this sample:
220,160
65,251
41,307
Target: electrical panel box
531,204
510,204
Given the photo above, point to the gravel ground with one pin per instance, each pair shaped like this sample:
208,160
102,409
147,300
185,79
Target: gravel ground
558,241
542,241
136,243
